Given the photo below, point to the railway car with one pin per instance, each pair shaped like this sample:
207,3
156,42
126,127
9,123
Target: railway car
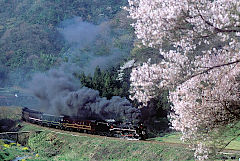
30,115
52,121
77,124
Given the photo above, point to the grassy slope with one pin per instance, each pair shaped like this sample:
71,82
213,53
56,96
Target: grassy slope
175,138
56,146
71,146
65,146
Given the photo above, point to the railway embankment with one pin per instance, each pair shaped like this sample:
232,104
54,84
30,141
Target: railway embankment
73,146
55,144
44,143
52,144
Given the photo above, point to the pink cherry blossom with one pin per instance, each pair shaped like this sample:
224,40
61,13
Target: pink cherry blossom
201,71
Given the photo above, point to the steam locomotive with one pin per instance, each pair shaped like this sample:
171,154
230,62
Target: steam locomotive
108,127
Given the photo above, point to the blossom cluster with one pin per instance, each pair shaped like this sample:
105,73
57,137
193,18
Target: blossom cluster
202,71
184,21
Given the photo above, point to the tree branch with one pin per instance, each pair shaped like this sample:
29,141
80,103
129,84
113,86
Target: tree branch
215,28
229,142
211,68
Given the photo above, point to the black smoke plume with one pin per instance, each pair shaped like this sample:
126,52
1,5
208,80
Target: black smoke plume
57,90
60,94
90,45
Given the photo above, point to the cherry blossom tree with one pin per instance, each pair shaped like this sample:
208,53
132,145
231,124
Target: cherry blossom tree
201,70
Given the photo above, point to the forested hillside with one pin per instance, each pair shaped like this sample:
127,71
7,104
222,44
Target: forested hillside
29,36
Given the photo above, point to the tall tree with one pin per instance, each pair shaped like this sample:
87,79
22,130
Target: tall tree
97,79
201,69
105,82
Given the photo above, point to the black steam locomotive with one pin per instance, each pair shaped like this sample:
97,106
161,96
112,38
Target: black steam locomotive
108,127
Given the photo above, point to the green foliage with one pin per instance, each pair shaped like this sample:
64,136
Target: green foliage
44,62
162,104
24,42
16,59
6,155
28,29
45,143
105,82
123,41
12,113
